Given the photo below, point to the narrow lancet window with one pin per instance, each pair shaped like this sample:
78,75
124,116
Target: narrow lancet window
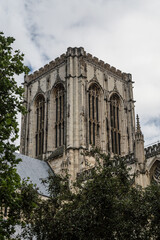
93,99
115,131
59,124
40,108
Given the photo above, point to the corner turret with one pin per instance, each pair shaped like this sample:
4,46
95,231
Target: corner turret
142,178
139,146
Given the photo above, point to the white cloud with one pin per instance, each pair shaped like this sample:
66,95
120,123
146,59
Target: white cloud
123,33
152,130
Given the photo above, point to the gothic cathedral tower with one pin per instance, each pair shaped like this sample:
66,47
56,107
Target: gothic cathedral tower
74,102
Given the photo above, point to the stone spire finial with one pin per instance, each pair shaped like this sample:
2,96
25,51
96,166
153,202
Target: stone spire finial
138,125
141,173
139,145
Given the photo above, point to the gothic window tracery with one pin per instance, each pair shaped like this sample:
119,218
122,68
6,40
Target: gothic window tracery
94,125
156,173
59,124
40,110
115,129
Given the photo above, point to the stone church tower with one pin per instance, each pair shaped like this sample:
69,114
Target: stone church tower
74,102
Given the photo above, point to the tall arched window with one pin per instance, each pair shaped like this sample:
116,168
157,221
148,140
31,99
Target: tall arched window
93,101
115,130
156,173
59,124
40,108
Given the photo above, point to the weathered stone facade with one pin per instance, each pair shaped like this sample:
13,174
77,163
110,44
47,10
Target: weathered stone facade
74,102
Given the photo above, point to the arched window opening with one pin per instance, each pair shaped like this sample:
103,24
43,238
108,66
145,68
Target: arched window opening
115,131
59,124
156,173
40,110
93,104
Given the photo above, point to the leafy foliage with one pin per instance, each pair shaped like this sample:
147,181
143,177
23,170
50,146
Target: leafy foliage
12,200
106,206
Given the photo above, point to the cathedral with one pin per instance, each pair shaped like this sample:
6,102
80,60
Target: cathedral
77,101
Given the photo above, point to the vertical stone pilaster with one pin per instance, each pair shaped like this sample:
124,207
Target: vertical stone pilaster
29,139
27,126
76,105
69,85
108,128
131,114
24,119
83,113
71,112
102,119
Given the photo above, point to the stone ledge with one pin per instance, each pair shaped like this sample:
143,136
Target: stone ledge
57,153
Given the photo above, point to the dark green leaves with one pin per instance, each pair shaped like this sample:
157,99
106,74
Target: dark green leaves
13,205
105,206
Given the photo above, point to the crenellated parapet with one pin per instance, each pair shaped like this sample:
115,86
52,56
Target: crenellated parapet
106,66
152,151
77,52
149,152
47,67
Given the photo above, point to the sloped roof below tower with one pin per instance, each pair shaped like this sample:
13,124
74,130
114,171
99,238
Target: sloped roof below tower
35,170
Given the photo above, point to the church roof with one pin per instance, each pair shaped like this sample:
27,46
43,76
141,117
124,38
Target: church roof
35,169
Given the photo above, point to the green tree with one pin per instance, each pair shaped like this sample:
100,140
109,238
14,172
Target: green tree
12,201
106,206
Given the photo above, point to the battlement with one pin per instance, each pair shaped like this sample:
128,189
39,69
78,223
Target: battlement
77,52
152,150
47,67
106,66
149,152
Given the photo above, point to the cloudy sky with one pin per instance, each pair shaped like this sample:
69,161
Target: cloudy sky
123,33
